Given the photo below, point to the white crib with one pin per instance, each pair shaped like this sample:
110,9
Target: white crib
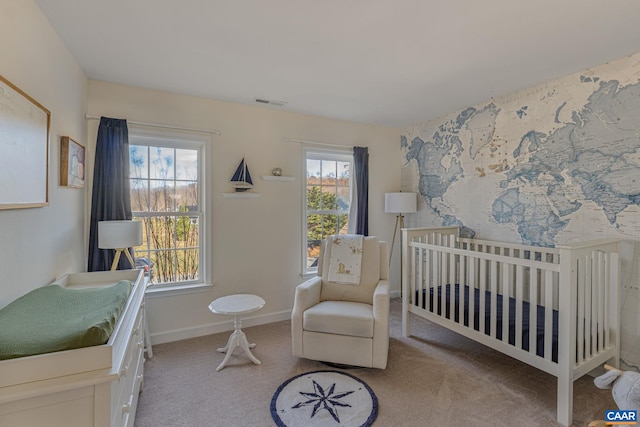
553,308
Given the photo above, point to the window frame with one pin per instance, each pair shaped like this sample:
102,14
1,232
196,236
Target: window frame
200,143
317,153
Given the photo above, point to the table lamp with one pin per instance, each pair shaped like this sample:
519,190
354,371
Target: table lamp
399,203
119,235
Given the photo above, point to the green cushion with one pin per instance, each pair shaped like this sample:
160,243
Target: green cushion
54,318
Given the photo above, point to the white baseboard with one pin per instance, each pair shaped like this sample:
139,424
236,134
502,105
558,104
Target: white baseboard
215,328
395,294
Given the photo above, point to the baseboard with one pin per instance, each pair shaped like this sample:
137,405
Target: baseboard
394,294
215,328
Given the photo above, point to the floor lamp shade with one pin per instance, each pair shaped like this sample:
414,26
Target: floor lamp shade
119,235
400,202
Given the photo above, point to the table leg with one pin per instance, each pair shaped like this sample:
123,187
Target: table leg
237,339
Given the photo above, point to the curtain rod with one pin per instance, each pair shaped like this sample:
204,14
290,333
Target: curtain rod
215,132
304,141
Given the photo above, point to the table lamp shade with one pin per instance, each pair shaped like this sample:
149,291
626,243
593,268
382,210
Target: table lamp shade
119,234
400,202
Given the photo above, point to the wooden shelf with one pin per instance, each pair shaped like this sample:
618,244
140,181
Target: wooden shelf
244,195
277,178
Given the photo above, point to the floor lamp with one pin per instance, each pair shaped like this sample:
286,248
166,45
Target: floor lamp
119,235
399,204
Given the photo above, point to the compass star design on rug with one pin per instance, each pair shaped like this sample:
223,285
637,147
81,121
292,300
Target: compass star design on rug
320,399
324,399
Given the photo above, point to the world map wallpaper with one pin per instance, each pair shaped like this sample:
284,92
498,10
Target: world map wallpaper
553,164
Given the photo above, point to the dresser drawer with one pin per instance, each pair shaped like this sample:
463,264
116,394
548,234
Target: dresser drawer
122,387
127,414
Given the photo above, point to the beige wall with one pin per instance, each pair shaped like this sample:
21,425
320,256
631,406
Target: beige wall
256,242
38,245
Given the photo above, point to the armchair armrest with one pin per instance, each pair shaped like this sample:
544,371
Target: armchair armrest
307,295
381,301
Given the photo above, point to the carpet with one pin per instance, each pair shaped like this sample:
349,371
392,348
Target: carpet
322,399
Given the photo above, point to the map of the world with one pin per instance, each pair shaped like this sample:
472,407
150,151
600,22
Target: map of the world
557,163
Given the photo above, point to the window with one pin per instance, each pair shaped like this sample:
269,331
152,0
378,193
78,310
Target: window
327,199
166,180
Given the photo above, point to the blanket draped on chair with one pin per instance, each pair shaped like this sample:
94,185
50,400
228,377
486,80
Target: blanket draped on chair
345,263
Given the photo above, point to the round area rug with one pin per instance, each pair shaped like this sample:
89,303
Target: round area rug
322,399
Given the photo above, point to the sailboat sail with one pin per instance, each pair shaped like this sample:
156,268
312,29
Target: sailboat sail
242,178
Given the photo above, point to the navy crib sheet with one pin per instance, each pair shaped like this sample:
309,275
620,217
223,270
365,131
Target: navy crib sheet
525,327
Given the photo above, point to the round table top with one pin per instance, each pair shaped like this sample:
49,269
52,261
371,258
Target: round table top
236,304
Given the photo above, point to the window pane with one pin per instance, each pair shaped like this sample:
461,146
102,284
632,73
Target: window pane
187,264
164,266
163,196
139,189
328,172
138,161
187,196
343,171
162,163
186,164
313,169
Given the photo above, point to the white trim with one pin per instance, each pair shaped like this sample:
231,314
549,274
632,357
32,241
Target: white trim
160,291
225,325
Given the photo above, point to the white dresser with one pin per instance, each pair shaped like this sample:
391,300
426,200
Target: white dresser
92,386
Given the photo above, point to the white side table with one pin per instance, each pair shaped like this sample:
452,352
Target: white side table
237,305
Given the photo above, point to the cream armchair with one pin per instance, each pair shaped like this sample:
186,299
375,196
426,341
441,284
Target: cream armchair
345,324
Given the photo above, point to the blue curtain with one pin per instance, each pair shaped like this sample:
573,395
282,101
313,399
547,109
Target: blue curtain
361,165
110,199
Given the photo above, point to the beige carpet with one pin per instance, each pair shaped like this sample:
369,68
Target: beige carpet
434,378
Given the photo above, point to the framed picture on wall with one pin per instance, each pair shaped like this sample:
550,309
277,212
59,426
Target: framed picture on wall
24,149
71,163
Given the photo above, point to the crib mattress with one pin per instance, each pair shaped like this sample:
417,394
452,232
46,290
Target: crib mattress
55,318
525,327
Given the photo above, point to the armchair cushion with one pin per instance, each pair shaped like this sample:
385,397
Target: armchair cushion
341,318
369,278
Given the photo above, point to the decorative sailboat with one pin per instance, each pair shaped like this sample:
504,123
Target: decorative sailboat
242,178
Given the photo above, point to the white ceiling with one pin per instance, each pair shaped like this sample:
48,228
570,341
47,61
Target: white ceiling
384,62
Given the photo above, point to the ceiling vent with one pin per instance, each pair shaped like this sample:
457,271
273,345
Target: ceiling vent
270,102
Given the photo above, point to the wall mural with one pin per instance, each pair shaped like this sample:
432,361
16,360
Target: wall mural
553,164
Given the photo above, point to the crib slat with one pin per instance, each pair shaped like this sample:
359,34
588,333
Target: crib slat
452,278
420,280
494,299
599,307
506,286
588,308
472,285
482,286
519,289
548,315
582,269
533,310
604,330
441,280
461,293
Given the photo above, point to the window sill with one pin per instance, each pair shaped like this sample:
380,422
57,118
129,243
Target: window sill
309,275
166,291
